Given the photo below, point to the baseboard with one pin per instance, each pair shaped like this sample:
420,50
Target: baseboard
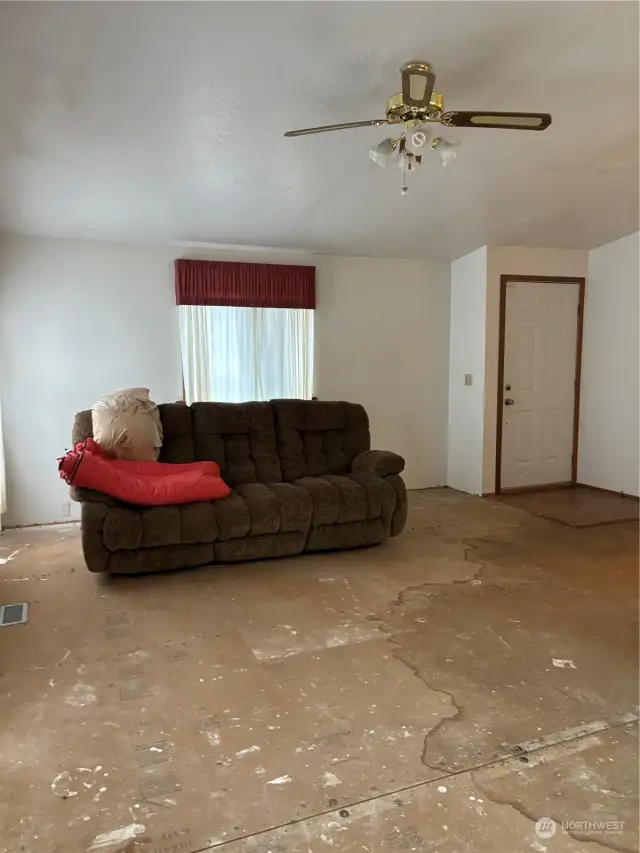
523,490
41,524
608,491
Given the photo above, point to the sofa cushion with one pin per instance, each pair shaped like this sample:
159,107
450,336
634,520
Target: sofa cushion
177,428
381,495
379,462
257,509
357,534
241,438
345,499
122,529
317,437
259,547
199,523
253,509
161,525
276,508
82,427
166,558
127,528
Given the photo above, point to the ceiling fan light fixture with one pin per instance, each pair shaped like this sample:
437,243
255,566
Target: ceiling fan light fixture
403,162
382,152
416,139
447,150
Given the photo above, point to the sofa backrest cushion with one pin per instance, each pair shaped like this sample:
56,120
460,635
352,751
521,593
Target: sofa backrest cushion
317,437
82,427
177,433
240,437
177,444
260,442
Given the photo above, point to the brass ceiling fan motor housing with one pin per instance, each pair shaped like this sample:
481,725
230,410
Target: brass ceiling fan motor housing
397,111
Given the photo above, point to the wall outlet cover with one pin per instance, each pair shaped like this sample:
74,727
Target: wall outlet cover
66,508
468,379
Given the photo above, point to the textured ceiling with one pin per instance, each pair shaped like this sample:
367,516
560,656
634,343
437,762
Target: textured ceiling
164,121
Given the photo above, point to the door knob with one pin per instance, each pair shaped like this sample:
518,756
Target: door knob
509,402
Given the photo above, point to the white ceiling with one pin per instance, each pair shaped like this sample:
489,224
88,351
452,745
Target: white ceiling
164,121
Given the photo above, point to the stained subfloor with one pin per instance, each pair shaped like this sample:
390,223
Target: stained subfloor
577,506
443,692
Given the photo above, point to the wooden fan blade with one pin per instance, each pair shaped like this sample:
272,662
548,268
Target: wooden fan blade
417,84
510,121
326,127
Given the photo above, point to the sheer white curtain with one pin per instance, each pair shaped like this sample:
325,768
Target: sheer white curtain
232,355
3,484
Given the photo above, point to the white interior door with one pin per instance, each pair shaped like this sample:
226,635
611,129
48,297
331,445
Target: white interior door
540,336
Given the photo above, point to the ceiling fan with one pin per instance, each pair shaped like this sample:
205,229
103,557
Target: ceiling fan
415,106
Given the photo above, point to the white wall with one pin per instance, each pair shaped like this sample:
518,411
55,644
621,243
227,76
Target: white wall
513,260
382,338
609,399
79,319
467,355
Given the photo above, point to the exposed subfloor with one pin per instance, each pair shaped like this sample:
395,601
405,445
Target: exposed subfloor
440,693
577,506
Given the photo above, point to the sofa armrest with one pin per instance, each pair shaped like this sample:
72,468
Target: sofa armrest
381,463
82,495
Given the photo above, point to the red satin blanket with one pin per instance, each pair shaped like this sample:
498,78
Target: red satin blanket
141,483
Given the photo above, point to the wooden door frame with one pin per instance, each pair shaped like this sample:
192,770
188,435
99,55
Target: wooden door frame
555,279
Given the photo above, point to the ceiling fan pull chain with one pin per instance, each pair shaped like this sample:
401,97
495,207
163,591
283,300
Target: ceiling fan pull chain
404,189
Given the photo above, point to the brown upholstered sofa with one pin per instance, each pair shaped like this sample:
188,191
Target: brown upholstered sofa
303,479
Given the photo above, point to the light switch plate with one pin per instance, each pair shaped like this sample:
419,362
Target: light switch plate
468,379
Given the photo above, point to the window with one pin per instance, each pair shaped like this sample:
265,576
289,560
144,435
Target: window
246,330
236,354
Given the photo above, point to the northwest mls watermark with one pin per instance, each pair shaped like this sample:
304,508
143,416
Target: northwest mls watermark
547,827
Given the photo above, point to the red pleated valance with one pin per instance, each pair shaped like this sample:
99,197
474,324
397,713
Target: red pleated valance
245,285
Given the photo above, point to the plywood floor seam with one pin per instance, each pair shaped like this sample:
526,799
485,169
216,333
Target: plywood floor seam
574,742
